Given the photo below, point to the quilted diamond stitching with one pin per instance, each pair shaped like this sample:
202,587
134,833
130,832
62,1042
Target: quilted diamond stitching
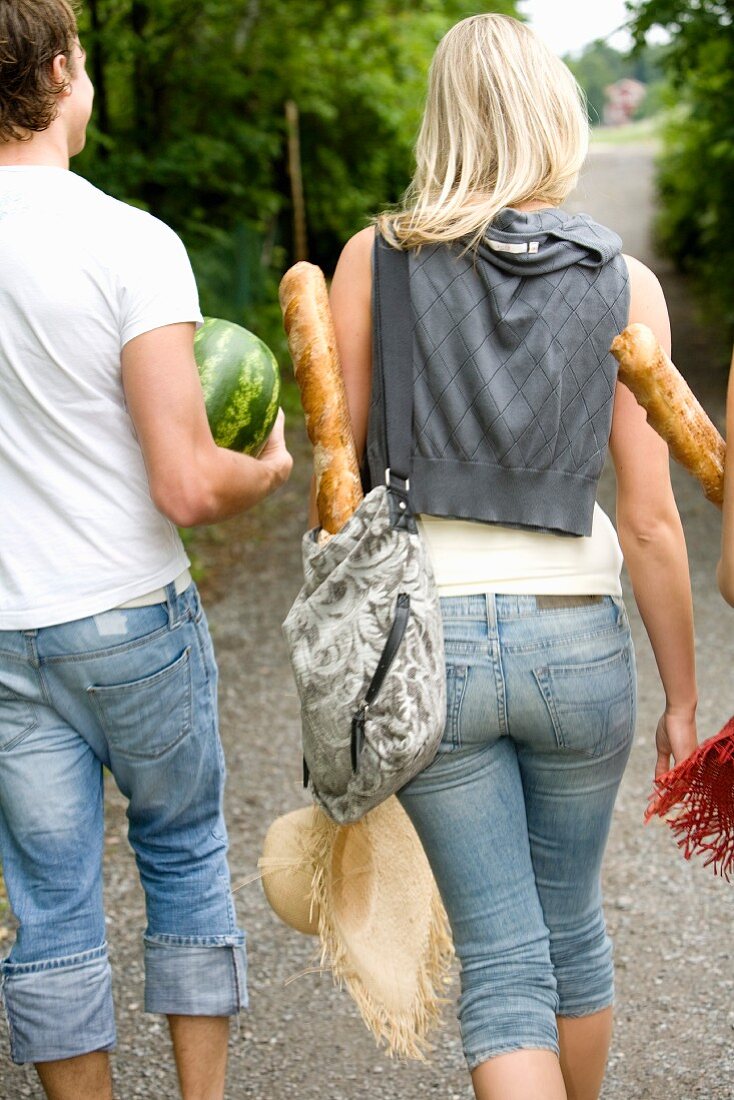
451,357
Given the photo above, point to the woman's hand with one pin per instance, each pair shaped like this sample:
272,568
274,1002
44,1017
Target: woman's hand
675,736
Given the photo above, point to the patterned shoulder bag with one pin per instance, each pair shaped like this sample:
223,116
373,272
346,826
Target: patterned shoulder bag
365,632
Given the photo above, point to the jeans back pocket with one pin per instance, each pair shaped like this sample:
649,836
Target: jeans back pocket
591,704
456,676
145,718
17,718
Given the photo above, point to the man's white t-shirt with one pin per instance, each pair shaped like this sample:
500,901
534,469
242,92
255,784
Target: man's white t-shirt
81,274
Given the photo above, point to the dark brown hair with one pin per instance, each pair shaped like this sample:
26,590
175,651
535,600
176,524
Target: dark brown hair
32,34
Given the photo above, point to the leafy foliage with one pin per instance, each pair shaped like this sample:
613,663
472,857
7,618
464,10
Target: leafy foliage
697,170
190,123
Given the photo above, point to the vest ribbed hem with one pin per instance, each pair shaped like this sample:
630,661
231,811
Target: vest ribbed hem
557,500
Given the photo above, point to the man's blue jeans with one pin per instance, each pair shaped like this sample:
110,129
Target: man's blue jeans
515,810
133,690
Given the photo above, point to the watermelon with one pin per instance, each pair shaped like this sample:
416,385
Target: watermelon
241,383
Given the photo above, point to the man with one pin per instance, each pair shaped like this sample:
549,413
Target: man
105,658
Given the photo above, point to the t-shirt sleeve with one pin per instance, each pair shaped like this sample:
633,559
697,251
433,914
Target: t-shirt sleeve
157,285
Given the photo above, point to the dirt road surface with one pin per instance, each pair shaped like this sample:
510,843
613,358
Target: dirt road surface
671,921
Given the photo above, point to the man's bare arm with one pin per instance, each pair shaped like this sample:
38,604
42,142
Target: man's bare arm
192,480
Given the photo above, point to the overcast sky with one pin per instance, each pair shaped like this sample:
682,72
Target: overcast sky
568,25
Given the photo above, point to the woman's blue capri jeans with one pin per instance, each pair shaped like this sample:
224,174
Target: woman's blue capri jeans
133,690
515,810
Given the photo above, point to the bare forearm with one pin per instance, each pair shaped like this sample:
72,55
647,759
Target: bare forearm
235,483
191,480
212,483
725,569
657,563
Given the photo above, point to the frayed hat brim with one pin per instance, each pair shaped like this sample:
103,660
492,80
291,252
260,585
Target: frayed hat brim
382,926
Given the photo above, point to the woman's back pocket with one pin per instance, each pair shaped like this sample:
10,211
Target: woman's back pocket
591,704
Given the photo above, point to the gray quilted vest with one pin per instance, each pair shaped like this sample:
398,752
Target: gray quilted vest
513,378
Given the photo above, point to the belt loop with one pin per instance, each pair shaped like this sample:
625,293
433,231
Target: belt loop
491,613
31,645
172,604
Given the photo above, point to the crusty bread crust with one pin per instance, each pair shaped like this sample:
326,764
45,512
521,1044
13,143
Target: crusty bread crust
312,343
672,410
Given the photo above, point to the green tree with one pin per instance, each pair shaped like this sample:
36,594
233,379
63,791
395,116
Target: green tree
696,179
190,123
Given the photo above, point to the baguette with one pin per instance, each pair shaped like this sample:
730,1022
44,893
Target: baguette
312,343
672,410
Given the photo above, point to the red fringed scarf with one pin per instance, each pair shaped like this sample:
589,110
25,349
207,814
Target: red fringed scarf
702,789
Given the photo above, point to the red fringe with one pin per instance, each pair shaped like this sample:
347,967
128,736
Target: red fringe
701,789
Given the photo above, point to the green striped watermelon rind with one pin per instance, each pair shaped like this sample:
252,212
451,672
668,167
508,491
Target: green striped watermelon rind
241,382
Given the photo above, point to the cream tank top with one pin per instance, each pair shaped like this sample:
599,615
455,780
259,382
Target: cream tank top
470,558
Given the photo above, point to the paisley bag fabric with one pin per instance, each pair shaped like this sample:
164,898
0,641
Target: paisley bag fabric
365,632
367,614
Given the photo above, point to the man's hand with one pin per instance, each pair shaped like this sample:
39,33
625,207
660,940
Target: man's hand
275,453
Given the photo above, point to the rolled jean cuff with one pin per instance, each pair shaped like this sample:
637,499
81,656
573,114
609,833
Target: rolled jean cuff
59,1008
474,1060
526,1025
586,1008
195,975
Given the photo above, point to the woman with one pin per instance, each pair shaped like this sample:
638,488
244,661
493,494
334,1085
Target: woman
515,304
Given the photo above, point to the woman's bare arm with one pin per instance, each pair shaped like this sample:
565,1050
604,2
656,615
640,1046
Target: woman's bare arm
191,479
652,539
351,307
725,570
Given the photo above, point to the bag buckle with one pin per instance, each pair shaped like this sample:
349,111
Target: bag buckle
397,491
398,482
401,516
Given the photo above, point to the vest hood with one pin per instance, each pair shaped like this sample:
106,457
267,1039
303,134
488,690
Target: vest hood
546,240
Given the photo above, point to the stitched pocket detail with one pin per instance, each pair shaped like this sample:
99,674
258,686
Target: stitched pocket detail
591,704
145,718
17,719
456,676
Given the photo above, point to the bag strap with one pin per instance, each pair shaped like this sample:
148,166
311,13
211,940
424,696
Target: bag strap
394,360
394,328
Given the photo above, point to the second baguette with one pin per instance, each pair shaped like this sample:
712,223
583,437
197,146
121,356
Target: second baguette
672,409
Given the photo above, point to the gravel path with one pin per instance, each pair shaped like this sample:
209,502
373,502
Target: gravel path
671,921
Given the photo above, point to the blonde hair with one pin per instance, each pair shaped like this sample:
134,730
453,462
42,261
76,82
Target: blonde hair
505,123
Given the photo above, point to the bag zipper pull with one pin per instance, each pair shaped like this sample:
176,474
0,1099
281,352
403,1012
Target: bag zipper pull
358,722
394,638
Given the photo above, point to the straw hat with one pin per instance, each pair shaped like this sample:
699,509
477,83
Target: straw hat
368,892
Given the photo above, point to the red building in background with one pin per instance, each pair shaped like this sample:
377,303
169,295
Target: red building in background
622,101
